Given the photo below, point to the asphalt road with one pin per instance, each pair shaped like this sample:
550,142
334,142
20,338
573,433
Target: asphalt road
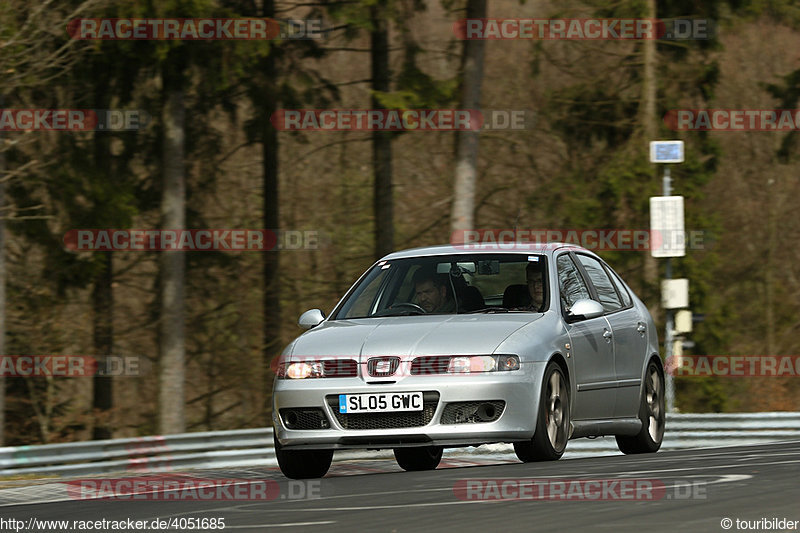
688,490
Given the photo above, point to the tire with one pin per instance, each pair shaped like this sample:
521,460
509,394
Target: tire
302,464
552,423
419,458
652,413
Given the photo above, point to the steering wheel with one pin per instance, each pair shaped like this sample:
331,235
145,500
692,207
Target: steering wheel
415,307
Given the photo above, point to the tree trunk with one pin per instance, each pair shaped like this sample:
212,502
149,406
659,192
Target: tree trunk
769,265
172,372
102,307
462,216
272,285
650,130
381,141
2,276
102,295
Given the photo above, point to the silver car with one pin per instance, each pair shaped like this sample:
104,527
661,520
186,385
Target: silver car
449,346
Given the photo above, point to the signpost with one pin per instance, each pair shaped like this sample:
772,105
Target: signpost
667,234
668,240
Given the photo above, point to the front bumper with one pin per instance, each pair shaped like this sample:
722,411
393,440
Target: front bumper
519,390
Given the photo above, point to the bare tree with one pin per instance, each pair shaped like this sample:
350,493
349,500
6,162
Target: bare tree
33,54
37,52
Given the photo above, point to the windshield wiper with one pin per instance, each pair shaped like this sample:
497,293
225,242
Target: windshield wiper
490,309
397,312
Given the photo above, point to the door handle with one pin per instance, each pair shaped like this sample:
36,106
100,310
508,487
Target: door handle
641,328
606,334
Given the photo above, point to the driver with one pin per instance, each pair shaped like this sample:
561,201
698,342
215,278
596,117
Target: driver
534,277
431,292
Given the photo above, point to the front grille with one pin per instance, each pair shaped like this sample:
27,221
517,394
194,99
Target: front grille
340,368
430,365
407,419
310,418
472,412
381,367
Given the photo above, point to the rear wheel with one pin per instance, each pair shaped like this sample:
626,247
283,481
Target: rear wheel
552,423
302,464
652,414
419,458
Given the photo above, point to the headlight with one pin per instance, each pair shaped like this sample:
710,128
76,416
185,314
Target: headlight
310,368
482,363
305,370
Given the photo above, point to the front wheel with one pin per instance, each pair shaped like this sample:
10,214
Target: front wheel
652,414
420,458
552,423
302,464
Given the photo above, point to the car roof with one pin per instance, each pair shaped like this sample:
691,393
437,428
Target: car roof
486,248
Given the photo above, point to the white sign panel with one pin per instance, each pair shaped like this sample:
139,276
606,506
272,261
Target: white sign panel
667,234
666,151
675,293
683,321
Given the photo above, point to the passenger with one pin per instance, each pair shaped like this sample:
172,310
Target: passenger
534,276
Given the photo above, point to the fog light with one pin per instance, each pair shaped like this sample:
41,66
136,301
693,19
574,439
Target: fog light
486,412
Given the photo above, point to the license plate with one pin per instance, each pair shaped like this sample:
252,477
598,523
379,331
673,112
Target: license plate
380,403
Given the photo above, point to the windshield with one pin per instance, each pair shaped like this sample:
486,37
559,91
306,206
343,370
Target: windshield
480,283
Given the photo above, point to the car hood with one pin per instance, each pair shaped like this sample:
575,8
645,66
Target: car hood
411,335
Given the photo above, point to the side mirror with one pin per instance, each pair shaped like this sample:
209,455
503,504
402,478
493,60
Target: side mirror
584,309
310,318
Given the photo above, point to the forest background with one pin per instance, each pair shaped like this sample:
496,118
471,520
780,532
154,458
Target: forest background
206,326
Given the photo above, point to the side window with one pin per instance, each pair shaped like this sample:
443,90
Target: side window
626,298
570,283
606,292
